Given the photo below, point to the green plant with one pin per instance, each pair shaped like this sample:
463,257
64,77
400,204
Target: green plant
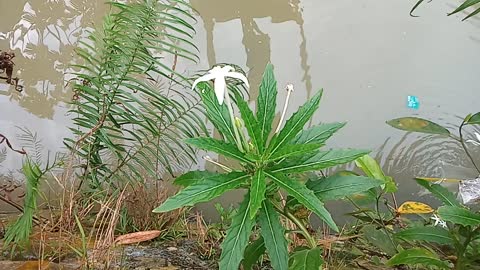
19,232
127,125
267,163
463,7
456,225
420,125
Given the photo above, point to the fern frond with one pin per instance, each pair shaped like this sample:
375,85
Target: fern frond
126,123
31,143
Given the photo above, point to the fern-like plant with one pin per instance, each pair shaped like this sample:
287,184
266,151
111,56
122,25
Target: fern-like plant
125,125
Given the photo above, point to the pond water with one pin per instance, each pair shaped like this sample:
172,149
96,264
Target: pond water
368,55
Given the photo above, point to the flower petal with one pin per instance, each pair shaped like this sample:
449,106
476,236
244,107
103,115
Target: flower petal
239,76
478,136
204,78
219,86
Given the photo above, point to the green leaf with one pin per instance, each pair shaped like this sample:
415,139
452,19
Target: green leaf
216,113
441,193
379,239
294,150
191,177
203,191
458,215
252,253
429,234
251,124
337,187
219,147
370,167
266,102
466,4
236,240
417,256
317,134
274,235
416,124
295,124
304,196
474,119
257,192
307,259
319,161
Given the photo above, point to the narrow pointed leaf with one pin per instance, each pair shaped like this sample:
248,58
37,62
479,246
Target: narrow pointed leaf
251,124
304,196
219,147
416,256
295,123
192,177
466,4
266,102
321,160
459,215
257,192
416,124
317,134
236,240
274,236
252,253
337,187
294,150
203,191
216,113
428,234
441,193
307,259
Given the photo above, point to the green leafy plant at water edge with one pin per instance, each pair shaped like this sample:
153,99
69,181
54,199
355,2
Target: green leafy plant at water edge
126,123
462,8
269,162
456,225
19,232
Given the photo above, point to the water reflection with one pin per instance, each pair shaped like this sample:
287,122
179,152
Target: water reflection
256,42
43,35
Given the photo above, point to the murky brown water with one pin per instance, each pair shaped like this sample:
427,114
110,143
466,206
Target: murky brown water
368,55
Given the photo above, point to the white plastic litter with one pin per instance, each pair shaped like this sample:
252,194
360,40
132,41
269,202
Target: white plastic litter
469,191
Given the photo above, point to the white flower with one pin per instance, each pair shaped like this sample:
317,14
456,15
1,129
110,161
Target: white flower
438,221
477,142
218,74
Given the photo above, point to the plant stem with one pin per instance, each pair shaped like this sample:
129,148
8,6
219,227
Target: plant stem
289,91
465,147
232,118
310,239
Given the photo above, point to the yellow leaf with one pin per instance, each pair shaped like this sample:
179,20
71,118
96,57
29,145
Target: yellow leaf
414,208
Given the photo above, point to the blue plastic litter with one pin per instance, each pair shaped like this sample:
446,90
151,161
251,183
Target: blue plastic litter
412,102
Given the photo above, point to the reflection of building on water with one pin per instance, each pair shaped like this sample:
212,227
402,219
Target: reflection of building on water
257,43
43,38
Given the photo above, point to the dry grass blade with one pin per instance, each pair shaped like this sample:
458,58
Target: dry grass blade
133,238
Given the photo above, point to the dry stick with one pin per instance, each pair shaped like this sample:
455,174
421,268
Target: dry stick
289,89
